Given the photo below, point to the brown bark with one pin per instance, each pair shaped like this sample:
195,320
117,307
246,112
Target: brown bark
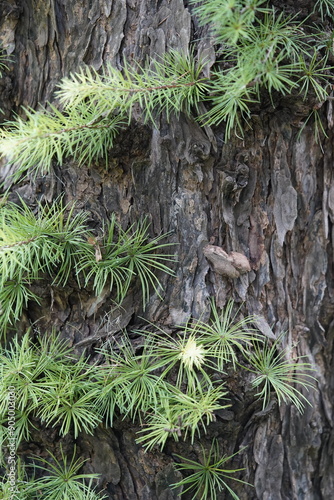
268,197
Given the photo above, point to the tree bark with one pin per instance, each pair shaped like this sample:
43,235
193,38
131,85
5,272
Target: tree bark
268,197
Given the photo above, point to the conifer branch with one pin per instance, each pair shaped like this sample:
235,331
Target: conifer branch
18,243
57,242
260,50
34,143
173,83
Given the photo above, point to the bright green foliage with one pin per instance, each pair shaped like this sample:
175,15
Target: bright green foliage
63,481
325,8
209,476
49,384
314,76
21,368
166,382
197,408
96,107
264,50
14,297
251,26
109,399
32,244
153,382
184,351
182,414
270,52
275,370
229,19
162,424
122,255
135,385
132,385
170,84
163,382
57,242
224,335
22,483
260,50
45,135
70,399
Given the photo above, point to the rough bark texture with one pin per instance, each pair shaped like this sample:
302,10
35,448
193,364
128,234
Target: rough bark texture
268,198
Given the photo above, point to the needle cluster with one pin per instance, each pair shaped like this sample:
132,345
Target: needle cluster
209,476
55,241
93,107
259,51
172,386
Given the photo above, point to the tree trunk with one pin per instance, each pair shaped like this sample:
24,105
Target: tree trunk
268,197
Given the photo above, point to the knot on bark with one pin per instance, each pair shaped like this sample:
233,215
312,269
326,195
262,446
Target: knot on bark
198,151
231,265
234,181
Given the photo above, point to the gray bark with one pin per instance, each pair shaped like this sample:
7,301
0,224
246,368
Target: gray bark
268,198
